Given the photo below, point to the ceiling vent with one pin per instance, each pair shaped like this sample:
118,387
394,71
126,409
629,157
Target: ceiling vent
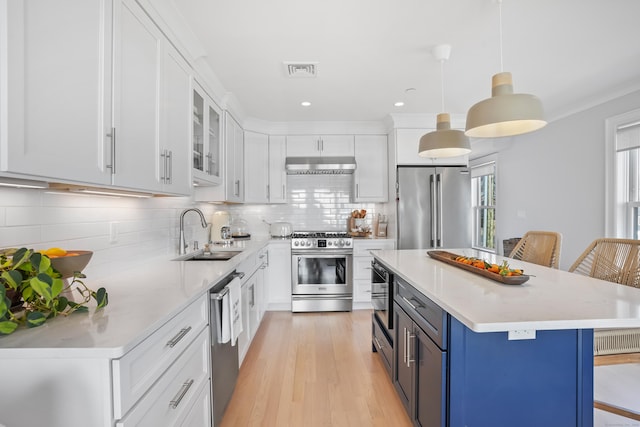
301,69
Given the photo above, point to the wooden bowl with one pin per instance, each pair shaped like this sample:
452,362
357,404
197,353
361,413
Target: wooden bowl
73,261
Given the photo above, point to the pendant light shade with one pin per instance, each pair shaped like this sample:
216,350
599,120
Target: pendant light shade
505,113
444,141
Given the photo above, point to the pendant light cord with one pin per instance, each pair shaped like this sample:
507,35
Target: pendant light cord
442,84
500,21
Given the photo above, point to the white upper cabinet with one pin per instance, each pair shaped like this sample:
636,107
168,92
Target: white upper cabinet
407,141
57,74
371,174
256,161
206,139
234,160
316,145
277,172
175,124
265,175
96,97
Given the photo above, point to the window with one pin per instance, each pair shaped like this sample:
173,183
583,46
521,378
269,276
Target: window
623,176
483,203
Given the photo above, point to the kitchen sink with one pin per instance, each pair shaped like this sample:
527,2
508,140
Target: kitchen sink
213,256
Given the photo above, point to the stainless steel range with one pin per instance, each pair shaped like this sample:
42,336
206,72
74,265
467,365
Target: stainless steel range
321,271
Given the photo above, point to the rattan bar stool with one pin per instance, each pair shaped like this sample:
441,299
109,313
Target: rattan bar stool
614,260
539,247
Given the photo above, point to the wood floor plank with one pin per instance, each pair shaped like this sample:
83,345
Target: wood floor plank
314,369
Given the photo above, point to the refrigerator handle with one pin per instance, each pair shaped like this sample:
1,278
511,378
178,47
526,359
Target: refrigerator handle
439,192
432,193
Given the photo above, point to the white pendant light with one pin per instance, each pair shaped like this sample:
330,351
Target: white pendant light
444,141
505,113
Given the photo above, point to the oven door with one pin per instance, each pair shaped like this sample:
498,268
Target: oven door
322,273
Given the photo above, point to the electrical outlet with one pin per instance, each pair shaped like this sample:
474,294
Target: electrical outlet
113,232
522,334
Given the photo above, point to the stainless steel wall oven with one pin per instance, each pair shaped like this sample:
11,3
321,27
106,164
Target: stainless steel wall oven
321,272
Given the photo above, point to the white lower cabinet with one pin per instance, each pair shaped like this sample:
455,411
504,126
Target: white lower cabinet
169,401
362,266
200,413
278,275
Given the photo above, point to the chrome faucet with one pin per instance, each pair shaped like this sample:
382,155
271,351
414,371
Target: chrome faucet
182,245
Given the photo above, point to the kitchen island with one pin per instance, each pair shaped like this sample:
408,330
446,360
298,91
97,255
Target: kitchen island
504,354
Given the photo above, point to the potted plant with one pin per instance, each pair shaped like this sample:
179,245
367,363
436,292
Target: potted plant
32,291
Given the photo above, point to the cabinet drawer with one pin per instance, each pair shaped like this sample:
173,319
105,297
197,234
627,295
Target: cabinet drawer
362,267
362,290
383,345
426,313
169,400
137,370
200,413
362,247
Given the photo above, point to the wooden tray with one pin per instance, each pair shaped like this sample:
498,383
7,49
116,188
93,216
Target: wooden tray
450,258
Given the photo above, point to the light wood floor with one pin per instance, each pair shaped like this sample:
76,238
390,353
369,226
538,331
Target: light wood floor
314,369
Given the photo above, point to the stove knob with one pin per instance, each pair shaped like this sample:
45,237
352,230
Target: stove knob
295,243
329,243
341,242
308,243
348,243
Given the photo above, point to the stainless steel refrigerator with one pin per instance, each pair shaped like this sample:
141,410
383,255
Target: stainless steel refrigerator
434,207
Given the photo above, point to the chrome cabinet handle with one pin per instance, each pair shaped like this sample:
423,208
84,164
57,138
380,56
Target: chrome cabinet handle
268,190
439,193
181,393
170,163
404,350
175,340
357,190
283,191
112,166
237,189
377,342
207,165
432,188
410,337
410,303
163,156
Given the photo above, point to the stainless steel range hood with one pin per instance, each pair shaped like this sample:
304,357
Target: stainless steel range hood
320,165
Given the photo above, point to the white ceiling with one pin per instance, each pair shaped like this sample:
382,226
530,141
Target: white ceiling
567,52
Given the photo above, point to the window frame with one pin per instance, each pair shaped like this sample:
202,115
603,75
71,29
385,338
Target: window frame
618,220
491,161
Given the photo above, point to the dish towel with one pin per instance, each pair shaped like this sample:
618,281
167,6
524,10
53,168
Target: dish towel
224,334
235,309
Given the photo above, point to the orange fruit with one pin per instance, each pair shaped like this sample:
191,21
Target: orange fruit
55,252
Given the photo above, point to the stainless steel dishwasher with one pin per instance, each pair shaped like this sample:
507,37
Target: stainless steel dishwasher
224,356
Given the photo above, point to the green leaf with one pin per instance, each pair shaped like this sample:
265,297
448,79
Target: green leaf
21,256
81,308
12,278
62,304
7,327
56,287
101,297
41,284
4,305
35,318
27,293
40,262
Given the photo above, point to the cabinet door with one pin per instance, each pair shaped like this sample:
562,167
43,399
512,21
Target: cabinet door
57,76
256,155
278,277
277,172
176,120
372,171
244,337
430,382
303,145
234,160
337,145
206,138
402,372
137,59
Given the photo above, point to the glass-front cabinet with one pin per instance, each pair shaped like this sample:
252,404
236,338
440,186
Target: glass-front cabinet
206,139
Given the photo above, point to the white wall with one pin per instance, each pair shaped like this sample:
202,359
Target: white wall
554,179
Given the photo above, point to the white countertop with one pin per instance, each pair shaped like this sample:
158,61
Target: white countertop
551,299
141,299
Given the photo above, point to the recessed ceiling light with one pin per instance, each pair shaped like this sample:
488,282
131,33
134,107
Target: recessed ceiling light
399,104
305,103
